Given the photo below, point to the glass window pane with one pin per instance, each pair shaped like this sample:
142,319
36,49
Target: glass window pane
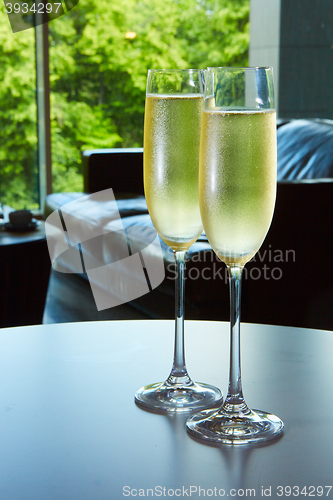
18,118
99,56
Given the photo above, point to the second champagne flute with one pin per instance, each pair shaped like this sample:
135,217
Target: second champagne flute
171,163
237,196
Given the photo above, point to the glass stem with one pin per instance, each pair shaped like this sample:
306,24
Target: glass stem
234,402
179,373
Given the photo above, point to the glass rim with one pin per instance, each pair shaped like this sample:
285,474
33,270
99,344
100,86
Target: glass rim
174,70
232,68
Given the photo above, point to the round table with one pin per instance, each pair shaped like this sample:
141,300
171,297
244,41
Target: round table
70,428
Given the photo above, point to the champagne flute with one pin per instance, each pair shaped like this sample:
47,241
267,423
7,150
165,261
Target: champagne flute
171,165
237,188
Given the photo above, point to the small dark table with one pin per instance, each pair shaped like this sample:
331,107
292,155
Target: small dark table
25,270
70,429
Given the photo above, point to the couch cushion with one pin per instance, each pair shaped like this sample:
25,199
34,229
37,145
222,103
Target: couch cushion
204,271
126,207
139,230
56,200
305,150
84,218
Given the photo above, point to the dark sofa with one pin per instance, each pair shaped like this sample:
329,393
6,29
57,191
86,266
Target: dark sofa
289,282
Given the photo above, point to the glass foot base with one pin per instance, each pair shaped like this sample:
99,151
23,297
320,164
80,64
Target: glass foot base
165,397
220,427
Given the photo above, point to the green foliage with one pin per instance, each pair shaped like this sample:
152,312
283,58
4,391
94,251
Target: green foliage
100,53
215,32
18,137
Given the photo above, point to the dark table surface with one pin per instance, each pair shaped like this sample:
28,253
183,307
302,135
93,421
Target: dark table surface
70,428
8,237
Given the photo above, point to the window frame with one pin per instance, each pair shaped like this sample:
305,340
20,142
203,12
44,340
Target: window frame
44,157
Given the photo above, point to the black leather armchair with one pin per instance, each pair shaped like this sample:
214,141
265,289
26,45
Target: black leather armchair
290,281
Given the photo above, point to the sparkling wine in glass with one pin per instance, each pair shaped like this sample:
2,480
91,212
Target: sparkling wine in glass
237,186
171,165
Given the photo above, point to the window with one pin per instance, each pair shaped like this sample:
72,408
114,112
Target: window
100,52
18,118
